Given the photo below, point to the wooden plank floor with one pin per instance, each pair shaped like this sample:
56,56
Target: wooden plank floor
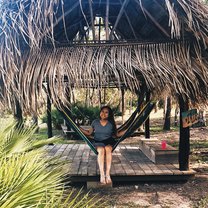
129,164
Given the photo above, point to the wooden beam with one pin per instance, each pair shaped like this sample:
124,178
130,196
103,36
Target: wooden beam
184,140
107,20
147,122
49,119
122,103
114,33
61,18
99,29
99,2
161,7
92,20
100,97
18,114
156,23
154,20
132,29
118,18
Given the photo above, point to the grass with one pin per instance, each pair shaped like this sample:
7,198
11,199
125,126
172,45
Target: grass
42,134
202,203
159,129
197,148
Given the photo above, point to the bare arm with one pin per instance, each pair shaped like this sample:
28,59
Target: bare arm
87,132
120,133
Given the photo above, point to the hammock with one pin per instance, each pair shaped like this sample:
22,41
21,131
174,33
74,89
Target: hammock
133,115
78,131
138,121
129,121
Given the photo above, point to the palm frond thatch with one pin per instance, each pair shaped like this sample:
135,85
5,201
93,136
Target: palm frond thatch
26,63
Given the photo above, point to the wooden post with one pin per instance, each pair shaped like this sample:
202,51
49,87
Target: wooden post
100,97
99,29
184,141
18,114
92,20
141,97
104,96
122,103
140,101
49,119
147,122
106,20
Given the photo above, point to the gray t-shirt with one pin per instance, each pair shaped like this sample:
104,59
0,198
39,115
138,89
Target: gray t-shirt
102,132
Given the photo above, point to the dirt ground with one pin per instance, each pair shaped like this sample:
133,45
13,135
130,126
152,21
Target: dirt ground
193,193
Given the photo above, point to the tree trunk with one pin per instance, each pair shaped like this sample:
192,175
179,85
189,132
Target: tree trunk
176,116
167,114
87,98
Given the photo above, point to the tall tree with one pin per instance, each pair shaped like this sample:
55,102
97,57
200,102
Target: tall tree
167,114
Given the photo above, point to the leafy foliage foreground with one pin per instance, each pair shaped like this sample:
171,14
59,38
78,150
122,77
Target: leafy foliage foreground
28,178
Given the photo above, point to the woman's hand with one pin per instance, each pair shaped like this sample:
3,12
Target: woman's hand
120,133
87,132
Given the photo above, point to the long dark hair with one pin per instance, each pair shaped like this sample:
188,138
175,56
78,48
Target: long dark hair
110,117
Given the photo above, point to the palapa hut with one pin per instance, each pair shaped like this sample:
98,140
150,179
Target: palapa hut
151,44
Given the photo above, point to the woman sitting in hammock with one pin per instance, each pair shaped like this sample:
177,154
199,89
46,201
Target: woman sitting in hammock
105,132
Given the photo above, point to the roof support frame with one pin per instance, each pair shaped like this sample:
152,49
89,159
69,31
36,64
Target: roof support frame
92,19
107,20
118,17
62,17
132,29
157,25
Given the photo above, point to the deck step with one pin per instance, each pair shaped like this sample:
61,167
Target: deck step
152,148
96,184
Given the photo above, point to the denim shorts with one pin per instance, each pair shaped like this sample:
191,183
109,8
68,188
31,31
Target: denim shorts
106,142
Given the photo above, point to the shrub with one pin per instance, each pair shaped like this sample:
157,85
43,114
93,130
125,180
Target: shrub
28,177
84,115
56,118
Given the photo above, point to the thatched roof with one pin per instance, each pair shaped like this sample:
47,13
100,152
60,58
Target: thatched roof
159,43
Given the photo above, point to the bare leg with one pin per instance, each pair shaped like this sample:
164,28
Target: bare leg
100,159
108,150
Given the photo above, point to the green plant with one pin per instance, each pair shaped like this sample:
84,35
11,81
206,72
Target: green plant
84,115
203,203
56,118
28,178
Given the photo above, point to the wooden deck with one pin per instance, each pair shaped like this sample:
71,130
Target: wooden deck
129,164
